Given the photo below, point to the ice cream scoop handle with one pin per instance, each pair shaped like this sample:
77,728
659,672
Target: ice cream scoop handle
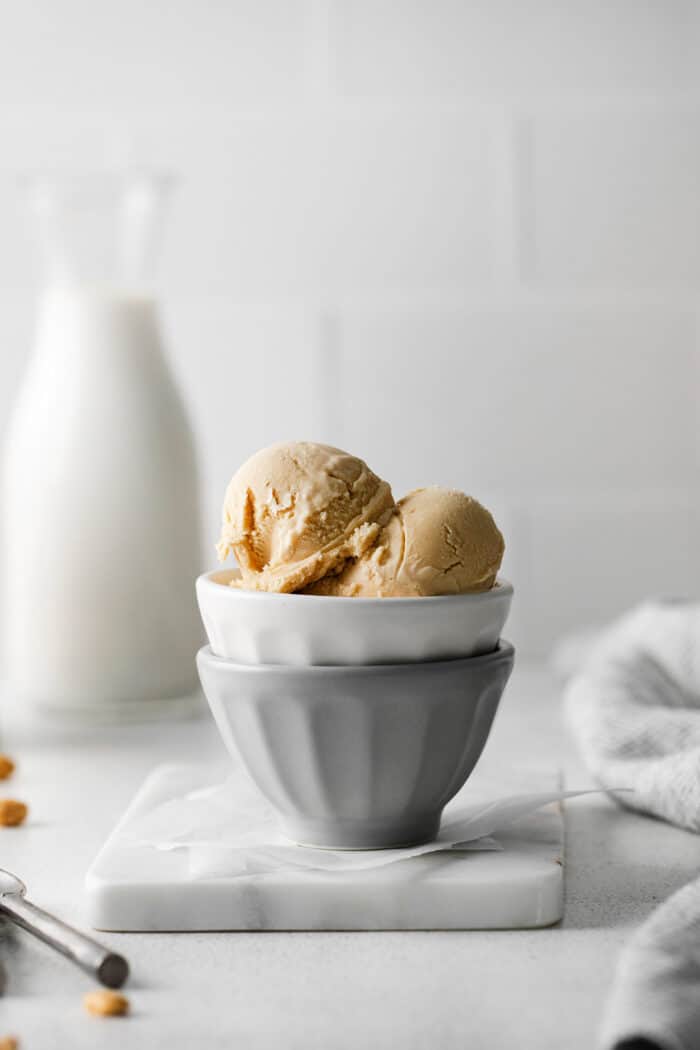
108,967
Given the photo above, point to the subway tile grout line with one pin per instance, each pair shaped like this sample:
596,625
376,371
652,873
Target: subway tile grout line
320,79
505,201
473,299
523,151
319,65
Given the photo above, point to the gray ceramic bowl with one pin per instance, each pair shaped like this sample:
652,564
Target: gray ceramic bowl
358,757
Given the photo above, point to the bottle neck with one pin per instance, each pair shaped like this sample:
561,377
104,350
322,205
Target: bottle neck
74,320
100,227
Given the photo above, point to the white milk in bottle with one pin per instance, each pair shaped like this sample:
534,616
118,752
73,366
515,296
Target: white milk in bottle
101,521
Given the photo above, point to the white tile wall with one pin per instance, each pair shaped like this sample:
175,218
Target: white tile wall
510,49
247,224
408,203
595,557
614,198
460,238
530,400
129,58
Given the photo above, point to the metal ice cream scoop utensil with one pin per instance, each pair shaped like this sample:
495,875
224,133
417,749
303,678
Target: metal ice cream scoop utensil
108,967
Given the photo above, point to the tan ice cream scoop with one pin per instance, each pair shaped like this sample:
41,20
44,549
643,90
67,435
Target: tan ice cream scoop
298,511
439,541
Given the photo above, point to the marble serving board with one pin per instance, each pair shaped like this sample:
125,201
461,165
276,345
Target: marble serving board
133,887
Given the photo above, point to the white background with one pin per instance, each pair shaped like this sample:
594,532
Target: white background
460,239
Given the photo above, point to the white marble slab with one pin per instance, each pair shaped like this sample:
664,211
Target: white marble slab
137,888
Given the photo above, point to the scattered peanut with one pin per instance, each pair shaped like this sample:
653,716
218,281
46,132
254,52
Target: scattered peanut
7,768
106,1003
12,812
9,1042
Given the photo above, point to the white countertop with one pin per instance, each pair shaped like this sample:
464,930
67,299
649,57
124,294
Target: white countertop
539,989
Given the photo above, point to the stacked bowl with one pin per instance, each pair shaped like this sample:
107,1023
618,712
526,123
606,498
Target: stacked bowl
358,718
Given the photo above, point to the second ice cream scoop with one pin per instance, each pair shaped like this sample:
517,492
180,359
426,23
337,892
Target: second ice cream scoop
439,541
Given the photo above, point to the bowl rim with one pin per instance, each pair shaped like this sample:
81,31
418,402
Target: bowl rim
503,654
502,588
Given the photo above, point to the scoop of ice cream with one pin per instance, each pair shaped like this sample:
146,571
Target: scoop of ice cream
438,541
295,512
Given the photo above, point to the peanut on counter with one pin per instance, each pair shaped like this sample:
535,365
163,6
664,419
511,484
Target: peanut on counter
7,768
106,1003
12,812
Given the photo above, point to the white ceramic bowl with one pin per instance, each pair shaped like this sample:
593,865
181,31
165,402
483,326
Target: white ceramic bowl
301,630
358,757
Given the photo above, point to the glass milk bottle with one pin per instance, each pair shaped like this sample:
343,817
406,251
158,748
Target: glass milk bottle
101,520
